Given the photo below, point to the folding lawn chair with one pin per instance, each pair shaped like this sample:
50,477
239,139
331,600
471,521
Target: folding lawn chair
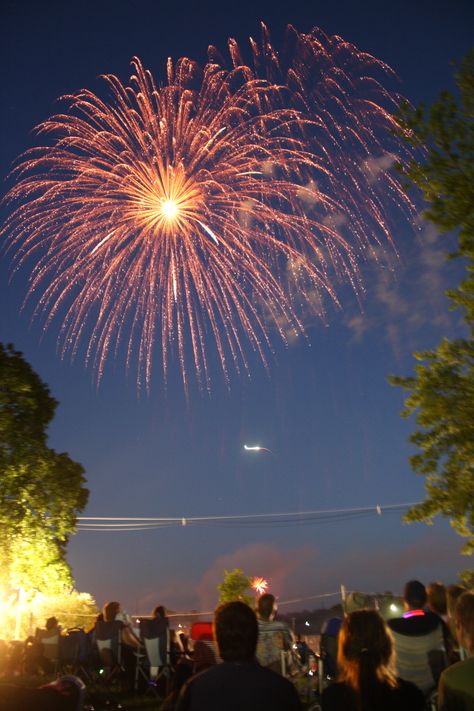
155,665
108,640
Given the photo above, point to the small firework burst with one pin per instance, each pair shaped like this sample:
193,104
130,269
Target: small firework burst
260,585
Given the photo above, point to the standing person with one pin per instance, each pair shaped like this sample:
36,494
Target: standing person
420,640
365,661
275,640
437,603
437,600
239,683
159,613
456,684
452,594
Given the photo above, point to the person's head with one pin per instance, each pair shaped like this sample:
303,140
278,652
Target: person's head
464,620
236,631
110,611
266,607
51,623
159,611
365,652
436,596
414,595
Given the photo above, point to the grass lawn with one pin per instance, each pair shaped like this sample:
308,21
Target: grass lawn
97,697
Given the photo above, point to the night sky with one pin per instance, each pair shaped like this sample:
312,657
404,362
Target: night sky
324,408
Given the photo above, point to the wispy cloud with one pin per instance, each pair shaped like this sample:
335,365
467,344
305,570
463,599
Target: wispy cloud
408,296
373,167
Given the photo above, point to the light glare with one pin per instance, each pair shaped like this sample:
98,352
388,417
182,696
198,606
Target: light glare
170,209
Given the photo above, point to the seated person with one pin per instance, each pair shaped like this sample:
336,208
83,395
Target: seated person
366,667
239,683
157,625
419,640
275,641
156,637
52,630
456,684
124,642
112,612
47,641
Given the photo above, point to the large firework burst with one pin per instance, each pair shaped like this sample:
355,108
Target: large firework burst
193,211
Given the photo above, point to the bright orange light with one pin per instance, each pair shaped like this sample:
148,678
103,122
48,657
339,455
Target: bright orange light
170,209
259,585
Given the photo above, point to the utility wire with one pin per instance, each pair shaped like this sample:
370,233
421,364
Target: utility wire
258,520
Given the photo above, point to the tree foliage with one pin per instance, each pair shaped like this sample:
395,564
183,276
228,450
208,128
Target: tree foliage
441,392
234,587
41,490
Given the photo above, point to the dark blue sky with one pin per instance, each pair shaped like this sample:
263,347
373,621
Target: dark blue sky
324,409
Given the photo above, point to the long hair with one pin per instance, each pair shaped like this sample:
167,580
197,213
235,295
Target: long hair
366,657
110,610
464,615
437,599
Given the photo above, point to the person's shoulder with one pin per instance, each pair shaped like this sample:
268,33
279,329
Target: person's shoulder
272,676
336,696
268,677
415,626
207,675
335,689
458,670
409,693
197,682
279,687
273,626
282,627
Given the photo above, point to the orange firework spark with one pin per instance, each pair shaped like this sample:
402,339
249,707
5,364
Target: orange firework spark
259,585
194,210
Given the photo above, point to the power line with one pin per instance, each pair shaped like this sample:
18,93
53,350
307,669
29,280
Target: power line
258,520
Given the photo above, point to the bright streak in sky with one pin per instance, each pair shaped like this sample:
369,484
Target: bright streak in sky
256,448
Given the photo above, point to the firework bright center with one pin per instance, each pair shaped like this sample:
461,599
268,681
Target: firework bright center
170,209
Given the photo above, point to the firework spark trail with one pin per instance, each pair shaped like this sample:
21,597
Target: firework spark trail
354,133
172,213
